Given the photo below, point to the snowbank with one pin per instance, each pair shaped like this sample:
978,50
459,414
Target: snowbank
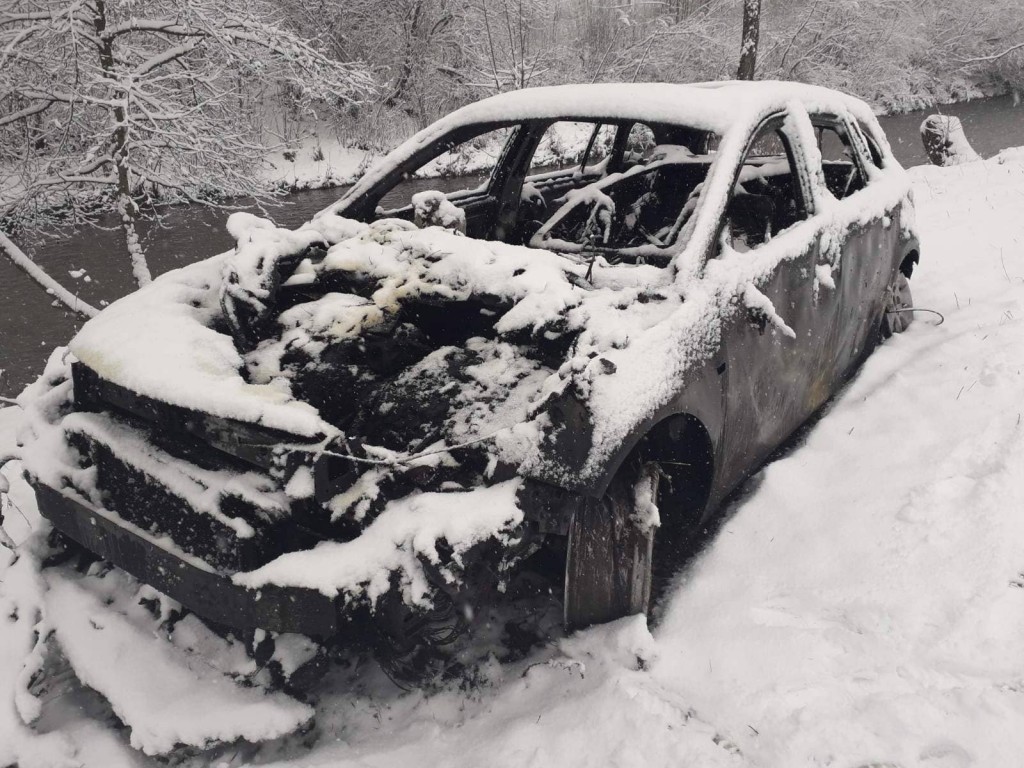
316,162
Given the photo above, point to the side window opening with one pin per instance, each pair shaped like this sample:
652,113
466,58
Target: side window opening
640,144
602,142
564,147
459,169
843,175
567,155
766,199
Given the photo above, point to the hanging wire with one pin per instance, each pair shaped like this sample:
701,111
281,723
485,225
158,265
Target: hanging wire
409,458
942,318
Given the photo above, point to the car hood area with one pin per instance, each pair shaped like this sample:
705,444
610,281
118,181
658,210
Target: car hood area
382,386
398,338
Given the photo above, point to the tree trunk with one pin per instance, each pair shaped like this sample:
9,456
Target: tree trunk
127,210
751,33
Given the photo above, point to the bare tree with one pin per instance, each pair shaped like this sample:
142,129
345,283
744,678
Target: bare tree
511,53
751,33
119,104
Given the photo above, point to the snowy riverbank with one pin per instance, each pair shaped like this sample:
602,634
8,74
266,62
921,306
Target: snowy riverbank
316,162
862,606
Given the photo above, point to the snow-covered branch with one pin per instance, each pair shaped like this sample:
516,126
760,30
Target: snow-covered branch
992,57
166,57
36,272
117,107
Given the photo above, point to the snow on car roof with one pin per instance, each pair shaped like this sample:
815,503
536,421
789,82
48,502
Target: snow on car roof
712,106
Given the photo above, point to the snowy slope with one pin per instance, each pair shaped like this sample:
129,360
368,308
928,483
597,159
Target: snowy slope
861,606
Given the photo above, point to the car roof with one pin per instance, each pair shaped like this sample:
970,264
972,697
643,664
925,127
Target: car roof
712,106
718,107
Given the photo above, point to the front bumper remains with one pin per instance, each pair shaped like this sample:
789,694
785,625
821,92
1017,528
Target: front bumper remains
187,579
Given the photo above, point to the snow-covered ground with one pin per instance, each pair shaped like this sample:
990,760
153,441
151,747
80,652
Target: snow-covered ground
863,604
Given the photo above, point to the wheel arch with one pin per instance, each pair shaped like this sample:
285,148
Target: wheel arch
682,447
910,260
699,407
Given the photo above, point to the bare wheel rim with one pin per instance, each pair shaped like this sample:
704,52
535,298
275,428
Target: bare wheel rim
609,552
898,299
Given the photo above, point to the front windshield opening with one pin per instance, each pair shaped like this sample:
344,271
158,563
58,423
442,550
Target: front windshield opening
641,207
623,187
459,168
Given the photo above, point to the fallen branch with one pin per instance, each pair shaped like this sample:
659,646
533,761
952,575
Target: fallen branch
993,57
33,270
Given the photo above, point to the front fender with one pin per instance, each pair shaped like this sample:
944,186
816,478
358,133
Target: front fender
564,458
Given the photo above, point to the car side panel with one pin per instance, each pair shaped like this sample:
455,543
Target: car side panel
870,253
770,377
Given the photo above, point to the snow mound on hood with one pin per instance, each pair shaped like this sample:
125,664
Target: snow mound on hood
160,342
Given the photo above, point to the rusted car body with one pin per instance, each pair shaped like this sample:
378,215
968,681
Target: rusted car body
754,243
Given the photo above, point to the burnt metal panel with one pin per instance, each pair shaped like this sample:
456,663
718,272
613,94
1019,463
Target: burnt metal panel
251,443
145,502
209,594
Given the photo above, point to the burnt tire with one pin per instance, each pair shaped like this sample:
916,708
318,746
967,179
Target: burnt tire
897,315
418,647
609,555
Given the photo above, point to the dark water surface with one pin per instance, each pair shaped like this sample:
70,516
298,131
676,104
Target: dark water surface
30,327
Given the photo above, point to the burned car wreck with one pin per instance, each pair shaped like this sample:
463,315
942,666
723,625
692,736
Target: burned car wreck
625,298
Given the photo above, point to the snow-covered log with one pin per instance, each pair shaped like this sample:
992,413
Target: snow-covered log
33,270
945,141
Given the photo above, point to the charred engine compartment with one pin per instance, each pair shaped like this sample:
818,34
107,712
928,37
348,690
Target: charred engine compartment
432,376
415,380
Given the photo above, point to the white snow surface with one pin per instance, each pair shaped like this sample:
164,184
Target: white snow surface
432,208
861,606
164,696
316,162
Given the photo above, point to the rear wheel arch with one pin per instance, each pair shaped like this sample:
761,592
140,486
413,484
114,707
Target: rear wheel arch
909,261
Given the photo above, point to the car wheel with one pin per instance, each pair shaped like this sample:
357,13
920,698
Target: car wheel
610,549
898,299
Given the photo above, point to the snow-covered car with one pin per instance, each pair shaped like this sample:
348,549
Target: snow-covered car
559,325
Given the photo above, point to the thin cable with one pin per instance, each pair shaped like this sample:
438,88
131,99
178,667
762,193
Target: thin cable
942,319
409,458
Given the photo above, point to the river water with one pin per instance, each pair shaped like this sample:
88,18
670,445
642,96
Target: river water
30,327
